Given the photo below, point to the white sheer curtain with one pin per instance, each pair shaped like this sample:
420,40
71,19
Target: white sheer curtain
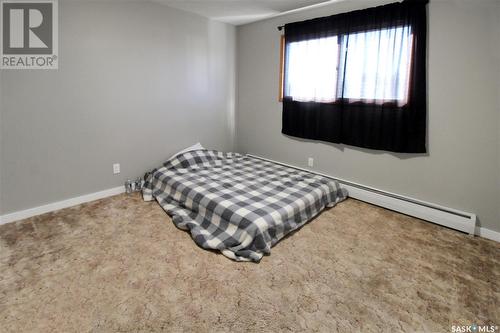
311,73
376,65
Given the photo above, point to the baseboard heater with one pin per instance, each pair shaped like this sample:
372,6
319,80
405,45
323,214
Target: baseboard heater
448,217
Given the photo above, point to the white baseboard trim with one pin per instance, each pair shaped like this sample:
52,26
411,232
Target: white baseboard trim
449,217
24,214
488,233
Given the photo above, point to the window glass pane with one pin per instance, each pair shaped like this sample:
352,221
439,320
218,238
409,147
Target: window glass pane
311,70
377,65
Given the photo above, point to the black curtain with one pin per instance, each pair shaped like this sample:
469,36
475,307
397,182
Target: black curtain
386,126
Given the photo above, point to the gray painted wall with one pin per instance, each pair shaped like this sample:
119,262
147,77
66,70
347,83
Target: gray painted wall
496,27
137,81
1,145
462,168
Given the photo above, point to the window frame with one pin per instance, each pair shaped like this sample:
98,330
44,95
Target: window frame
282,69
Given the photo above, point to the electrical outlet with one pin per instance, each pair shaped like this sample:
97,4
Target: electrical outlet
310,162
116,168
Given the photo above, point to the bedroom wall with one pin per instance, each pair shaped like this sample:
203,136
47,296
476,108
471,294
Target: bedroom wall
461,169
1,145
137,81
496,27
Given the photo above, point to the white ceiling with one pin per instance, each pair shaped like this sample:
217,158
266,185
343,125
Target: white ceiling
239,12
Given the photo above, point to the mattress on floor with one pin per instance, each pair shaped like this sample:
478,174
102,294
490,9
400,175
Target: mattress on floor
238,204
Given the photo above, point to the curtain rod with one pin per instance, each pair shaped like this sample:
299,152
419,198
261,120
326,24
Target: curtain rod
328,2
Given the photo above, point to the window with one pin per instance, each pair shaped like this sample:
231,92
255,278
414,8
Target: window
374,67
377,65
358,78
312,70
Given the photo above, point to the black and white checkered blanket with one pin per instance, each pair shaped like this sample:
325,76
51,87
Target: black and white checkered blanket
238,204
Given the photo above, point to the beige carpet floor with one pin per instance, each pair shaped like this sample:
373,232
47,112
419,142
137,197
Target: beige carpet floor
120,265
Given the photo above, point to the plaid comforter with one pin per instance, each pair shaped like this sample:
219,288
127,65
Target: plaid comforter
238,204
